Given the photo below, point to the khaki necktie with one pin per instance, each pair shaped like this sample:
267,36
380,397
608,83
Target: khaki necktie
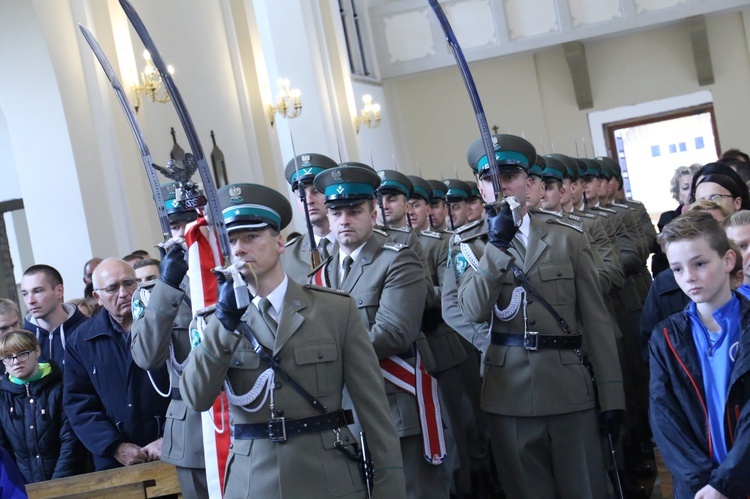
264,305
323,248
347,267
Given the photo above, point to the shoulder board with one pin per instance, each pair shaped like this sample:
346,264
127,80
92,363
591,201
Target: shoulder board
619,205
322,264
148,285
399,229
468,226
584,214
289,243
394,246
632,201
560,222
575,218
546,212
380,231
606,210
473,237
324,289
429,233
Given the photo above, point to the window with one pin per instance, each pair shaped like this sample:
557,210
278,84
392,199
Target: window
355,35
683,147
655,151
672,148
699,143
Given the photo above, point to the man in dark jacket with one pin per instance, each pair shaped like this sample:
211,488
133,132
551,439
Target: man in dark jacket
699,367
49,318
110,401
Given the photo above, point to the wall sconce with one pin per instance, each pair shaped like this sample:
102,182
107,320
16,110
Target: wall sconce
288,102
369,115
151,83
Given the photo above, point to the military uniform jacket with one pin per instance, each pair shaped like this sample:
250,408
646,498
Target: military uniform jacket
517,382
388,286
296,259
323,345
447,347
165,321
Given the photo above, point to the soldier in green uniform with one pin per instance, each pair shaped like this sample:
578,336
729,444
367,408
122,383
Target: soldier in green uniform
300,174
457,197
438,206
160,333
387,282
475,203
284,445
456,360
543,414
534,196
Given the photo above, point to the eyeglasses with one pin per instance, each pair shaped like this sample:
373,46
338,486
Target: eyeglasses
113,288
20,357
716,197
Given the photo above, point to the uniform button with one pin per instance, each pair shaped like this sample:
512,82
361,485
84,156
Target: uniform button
174,303
170,413
559,274
231,446
277,359
238,363
38,456
529,301
130,405
320,355
532,322
31,427
174,324
279,413
359,302
227,351
277,386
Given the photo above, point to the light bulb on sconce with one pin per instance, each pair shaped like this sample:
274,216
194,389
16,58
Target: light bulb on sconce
288,102
369,114
151,83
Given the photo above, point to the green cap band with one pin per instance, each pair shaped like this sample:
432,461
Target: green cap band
504,157
389,185
457,193
252,210
552,172
306,172
348,189
421,193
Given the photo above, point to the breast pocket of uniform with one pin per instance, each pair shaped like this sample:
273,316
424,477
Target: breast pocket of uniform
558,285
367,301
316,367
240,374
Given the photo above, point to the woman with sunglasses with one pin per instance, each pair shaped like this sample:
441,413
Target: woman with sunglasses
33,426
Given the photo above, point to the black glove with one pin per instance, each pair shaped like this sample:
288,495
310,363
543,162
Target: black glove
609,423
173,266
501,227
227,311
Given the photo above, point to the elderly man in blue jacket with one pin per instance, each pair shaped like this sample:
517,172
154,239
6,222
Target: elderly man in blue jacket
111,403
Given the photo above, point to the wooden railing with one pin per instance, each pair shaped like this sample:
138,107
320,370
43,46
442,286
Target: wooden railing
139,481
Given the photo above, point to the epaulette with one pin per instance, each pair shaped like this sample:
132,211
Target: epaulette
429,233
606,210
560,222
546,212
633,201
289,243
399,229
468,226
322,264
395,246
575,218
584,214
326,289
473,237
380,231
622,206
149,285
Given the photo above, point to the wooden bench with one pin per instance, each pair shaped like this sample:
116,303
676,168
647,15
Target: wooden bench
139,481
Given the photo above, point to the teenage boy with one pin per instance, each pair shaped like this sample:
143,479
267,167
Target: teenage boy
699,412
738,230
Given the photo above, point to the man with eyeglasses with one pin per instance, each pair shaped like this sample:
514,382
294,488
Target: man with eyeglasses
10,317
109,400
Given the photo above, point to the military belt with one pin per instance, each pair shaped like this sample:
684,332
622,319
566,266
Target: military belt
536,341
280,429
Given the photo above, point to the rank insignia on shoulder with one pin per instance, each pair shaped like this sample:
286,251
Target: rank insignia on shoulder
469,226
560,222
289,243
584,214
546,212
325,289
380,231
399,229
460,264
575,218
394,246
429,233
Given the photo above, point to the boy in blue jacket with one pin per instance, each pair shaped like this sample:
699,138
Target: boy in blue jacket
700,362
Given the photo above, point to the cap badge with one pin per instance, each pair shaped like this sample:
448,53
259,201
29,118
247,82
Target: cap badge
175,203
381,174
340,189
336,175
307,171
305,158
235,194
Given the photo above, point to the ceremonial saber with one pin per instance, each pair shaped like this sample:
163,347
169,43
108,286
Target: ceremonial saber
484,128
214,215
153,180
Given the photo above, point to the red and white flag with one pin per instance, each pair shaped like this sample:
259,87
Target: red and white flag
204,255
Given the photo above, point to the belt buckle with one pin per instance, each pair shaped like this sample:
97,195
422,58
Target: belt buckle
277,429
531,340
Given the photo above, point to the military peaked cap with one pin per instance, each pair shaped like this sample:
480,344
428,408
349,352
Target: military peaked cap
253,207
309,165
511,153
